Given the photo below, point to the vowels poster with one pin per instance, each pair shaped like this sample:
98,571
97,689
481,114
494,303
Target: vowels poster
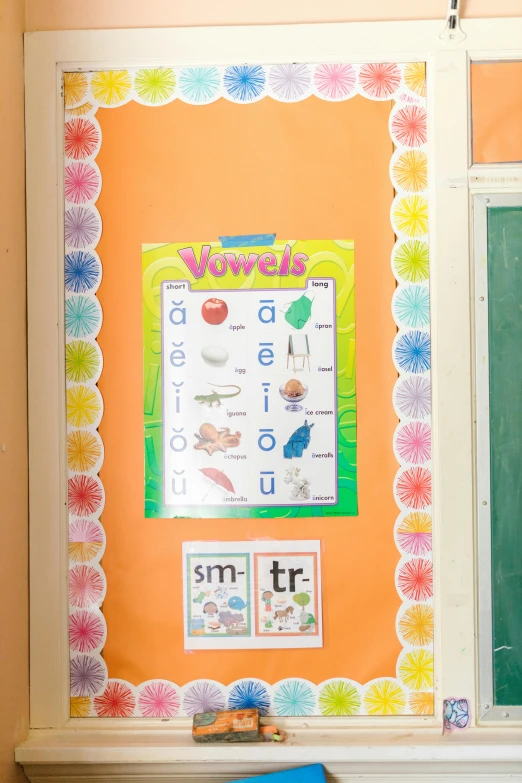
249,379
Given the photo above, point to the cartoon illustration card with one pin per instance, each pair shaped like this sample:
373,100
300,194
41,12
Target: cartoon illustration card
287,601
249,398
252,594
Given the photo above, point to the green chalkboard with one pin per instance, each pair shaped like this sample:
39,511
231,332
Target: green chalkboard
505,379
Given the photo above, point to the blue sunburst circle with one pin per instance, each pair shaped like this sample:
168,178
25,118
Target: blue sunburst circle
412,351
249,694
244,83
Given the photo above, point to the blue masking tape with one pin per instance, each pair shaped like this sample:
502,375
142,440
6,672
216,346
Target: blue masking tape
248,240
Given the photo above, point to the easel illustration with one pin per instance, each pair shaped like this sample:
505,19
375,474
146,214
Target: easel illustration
298,348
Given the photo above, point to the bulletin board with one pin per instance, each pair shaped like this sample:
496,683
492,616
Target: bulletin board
324,153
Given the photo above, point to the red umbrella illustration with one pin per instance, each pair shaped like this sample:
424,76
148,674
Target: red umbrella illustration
219,479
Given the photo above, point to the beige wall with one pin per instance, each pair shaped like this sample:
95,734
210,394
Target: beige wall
14,671
75,14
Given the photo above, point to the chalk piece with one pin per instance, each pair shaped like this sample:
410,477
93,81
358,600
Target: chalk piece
226,726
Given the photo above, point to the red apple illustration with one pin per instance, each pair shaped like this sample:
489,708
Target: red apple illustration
214,311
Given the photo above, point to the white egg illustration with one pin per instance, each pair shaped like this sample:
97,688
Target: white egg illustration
214,355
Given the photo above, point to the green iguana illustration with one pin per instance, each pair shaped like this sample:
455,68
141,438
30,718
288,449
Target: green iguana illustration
215,397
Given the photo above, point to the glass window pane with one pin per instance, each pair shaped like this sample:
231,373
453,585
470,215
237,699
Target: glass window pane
496,103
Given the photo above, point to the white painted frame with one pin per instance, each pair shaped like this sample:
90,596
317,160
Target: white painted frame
47,56
482,202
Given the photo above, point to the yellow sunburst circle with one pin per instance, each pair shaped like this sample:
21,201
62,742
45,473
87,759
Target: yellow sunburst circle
83,450
111,87
83,406
74,88
80,111
411,216
416,670
385,697
155,85
80,706
415,78
410,171
416,625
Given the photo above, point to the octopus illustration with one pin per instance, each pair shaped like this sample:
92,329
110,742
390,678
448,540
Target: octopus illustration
211,439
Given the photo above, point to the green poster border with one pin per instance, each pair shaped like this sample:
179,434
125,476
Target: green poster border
161,262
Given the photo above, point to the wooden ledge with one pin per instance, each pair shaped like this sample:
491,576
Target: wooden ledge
140,755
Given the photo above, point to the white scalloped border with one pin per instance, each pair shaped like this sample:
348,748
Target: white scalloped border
411,692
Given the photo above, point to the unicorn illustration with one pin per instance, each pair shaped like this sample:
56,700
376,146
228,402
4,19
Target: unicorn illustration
301,488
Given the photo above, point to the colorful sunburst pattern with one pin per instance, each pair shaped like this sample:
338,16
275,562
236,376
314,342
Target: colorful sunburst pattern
416,669
116,701
379,80
385,697
200,85
291,81
244,83
83,450
85,540
82,316
80,707
83,94
410,170
294,698
74,88
88,675
85,495
415,579
81,138
416,625
82,361
86,631
83,405
158,699
339,697
335,82
155,85
203,696
110,87
422,703
411,261
414,533
410,214
86,586
249,694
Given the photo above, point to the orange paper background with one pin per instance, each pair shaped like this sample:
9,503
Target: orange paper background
496,103
189,173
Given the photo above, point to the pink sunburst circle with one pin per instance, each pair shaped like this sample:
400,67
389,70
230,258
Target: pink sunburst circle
335,82
414,533
81,138
86,631
409,126
116,701
85,495
413,442
158,699
81,183
415,579
413,488
86,586
379,80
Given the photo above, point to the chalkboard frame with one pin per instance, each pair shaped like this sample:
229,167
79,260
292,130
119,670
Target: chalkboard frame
487,709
